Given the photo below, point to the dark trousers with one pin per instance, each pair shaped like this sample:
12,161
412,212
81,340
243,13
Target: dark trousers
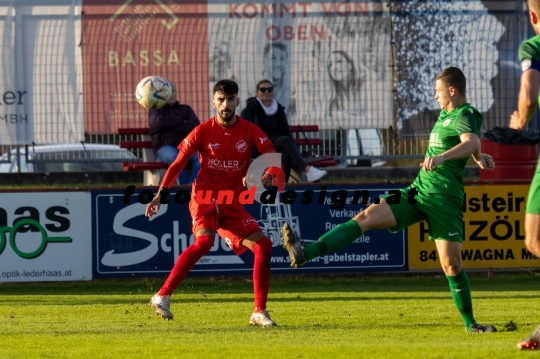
290,155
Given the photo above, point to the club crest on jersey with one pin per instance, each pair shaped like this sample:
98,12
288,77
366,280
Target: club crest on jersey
525,64
241,146
248,221
446,122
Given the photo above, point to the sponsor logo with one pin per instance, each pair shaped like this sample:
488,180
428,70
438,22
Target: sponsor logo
25,228
225,165
118,248
168,24
241,146
24,225
213,146
434,140
248,221
263,139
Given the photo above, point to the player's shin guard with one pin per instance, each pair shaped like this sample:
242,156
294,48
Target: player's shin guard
337,238
461,294
185,262
261,272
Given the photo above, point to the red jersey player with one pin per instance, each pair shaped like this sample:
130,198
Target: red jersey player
225,144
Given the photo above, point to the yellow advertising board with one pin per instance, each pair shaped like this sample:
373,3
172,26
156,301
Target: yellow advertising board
494,231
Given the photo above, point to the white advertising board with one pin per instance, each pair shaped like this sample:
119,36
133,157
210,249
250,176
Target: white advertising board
45,237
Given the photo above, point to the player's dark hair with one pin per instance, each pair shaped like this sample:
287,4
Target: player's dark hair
264,81
534,5
452,76
277,45
228,87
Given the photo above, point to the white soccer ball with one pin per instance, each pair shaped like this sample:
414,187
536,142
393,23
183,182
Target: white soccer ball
153,92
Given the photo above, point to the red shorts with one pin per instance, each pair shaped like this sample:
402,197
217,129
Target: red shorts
231,221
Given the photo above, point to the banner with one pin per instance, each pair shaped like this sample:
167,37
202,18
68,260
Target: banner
127,40
494,231
482,38
337,64
41,72
195,45
126,243
328,61
45,237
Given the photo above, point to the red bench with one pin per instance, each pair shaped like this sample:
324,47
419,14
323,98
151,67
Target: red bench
304,137
149,161
152,169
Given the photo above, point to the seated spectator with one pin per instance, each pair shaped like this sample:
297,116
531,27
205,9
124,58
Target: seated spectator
264,111
168,126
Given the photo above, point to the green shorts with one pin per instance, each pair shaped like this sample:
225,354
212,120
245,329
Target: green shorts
443,214
533,199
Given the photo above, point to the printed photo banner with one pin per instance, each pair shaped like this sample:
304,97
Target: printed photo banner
127,40
328,61
41,72
71,67
482,38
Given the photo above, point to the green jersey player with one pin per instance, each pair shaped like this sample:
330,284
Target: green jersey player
529,55
438,196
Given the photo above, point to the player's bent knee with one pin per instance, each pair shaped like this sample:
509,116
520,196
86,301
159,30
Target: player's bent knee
205,232
533,245
264,244
532,233
451,268
205,242
262,249
376,216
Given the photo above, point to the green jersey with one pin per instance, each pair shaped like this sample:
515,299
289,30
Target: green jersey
529,55
448,177
529,51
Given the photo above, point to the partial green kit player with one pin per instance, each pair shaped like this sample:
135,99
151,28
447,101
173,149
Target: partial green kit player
438,200
529,55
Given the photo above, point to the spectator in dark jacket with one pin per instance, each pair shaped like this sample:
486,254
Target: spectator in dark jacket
168,126
264,111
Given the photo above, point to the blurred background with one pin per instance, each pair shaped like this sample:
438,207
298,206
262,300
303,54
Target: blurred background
363,71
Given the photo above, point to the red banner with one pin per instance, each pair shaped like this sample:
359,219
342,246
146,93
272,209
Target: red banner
126,40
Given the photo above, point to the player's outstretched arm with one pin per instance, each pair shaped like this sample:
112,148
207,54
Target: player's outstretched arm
154,205
527,100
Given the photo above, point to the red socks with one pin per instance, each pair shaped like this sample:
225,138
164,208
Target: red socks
261,272
185,263
262,251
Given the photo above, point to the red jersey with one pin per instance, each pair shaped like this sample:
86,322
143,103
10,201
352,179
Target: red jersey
224,152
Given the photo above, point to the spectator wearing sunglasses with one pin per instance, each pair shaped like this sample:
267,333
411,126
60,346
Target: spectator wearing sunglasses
264,111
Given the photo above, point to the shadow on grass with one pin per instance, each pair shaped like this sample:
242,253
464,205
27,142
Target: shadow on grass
280,284
247,298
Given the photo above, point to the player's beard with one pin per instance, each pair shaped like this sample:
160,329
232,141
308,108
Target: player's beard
228,118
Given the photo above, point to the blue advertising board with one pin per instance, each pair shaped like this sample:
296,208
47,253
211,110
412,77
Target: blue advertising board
126,243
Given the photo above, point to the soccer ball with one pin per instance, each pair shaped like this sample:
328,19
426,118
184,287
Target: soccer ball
153,92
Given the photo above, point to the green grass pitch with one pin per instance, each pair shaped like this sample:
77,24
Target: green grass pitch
355,316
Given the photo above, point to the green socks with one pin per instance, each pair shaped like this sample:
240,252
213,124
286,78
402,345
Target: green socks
461,294
336,238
